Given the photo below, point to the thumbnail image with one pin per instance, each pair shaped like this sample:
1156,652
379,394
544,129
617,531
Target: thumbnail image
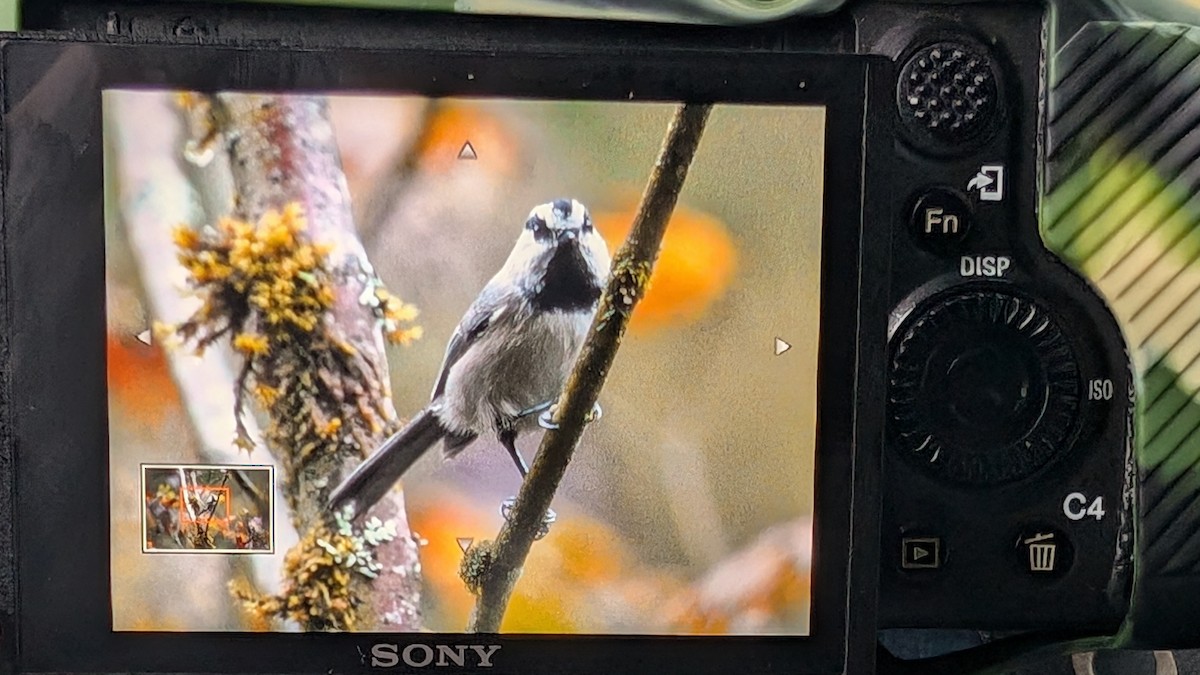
380,298
207,509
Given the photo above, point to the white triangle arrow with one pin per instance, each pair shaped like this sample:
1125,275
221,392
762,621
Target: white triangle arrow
781,346
464,543
467,151
146,337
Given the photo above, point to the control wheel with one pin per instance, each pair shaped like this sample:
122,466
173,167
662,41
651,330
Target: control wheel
984,388
948,94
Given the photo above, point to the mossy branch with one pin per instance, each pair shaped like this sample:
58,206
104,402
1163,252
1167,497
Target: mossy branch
286,280
493,568
154,189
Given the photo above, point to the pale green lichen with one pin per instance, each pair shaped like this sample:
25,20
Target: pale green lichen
476,563
320,572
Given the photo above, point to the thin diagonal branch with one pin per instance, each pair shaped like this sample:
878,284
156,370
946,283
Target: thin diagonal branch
491,569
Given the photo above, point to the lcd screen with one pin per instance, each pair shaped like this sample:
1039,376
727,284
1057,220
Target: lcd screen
688,506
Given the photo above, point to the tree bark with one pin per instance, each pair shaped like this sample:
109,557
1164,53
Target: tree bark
154,195
318,370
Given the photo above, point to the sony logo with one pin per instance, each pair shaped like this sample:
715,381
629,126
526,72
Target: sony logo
417,655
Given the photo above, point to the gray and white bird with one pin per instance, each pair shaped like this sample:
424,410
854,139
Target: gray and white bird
510,355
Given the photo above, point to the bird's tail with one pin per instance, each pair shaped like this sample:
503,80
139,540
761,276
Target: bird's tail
379,472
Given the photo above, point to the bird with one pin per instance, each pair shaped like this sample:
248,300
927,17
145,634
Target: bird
509,356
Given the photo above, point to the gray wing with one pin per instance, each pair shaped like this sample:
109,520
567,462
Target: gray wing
473,324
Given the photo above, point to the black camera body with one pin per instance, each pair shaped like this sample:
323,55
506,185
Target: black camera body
980,392
1036,491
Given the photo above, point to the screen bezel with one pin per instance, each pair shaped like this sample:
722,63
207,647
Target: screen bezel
53,218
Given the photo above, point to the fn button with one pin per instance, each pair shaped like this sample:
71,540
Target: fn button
940,220
921,553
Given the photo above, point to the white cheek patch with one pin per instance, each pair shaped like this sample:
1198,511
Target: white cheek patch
543,211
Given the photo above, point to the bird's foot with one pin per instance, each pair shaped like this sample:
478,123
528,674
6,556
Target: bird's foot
541,407
506,508
546,419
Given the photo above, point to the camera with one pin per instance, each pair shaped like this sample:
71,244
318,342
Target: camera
898,338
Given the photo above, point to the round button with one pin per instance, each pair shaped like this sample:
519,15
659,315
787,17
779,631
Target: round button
940,220
984,388
1042,552
948,90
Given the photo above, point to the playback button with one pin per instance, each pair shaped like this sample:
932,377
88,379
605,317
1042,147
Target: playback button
941,220
921,553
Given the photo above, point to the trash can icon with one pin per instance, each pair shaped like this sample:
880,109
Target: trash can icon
1042,552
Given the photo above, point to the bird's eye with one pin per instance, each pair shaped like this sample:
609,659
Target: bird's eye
538,227
587,224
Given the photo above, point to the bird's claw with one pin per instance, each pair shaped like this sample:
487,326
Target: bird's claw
546,419
536,409
506,508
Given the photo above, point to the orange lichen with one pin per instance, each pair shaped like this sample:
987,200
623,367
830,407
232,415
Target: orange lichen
319,593
251,345
265,265
266,395
273,289
330,428
269,276
395,313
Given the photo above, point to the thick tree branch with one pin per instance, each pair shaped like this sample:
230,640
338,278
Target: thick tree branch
155,193
492,569
287,280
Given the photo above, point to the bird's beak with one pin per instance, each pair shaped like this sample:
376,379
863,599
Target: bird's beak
567,235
